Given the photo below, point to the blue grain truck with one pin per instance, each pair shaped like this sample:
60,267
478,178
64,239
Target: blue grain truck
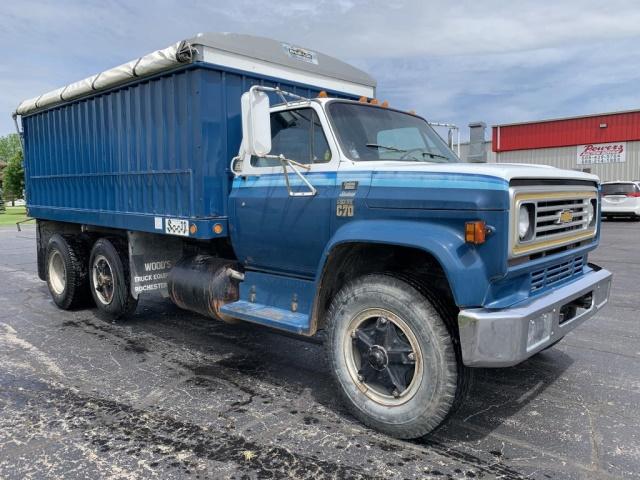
254,180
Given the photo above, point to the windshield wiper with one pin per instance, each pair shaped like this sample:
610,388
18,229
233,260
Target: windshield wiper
434,155
386,147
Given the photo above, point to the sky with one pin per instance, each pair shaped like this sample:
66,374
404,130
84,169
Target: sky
458,62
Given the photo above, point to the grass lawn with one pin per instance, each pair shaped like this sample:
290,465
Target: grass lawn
12,215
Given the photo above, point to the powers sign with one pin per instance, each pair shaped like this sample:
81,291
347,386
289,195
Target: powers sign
602,153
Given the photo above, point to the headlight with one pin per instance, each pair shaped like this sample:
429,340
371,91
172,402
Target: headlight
524,222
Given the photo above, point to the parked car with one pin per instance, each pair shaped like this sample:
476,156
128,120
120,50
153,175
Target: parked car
621,199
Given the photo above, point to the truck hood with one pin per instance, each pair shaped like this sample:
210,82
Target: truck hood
505,171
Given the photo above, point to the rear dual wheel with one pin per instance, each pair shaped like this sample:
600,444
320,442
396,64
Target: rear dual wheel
71,273
393,357
110,279
66,271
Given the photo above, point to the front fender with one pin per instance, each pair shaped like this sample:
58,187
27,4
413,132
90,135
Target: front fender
469,268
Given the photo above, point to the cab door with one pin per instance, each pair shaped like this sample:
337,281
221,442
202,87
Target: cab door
270,229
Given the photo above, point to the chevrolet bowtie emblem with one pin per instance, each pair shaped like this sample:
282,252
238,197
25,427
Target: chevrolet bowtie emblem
565,217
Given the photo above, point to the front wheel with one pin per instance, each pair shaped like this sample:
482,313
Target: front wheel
109,278
392,357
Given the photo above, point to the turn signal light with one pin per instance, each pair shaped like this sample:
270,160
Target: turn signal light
475,232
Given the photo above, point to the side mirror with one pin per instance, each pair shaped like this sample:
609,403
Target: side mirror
256,123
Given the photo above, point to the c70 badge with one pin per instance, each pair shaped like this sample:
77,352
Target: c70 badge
344,207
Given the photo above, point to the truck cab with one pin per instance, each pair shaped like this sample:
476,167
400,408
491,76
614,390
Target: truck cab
337,192
313,211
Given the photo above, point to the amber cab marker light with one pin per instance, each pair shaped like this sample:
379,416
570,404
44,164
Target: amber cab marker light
475,232
362,99
385,104
374,101
322,94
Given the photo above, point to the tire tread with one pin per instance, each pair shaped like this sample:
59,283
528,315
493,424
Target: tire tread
449,395
73,252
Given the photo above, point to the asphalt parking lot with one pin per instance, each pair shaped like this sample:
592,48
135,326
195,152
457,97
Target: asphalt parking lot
169,394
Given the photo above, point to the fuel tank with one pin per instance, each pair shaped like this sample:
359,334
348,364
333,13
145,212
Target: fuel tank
203,284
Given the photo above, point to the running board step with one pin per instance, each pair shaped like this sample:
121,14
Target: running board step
268,316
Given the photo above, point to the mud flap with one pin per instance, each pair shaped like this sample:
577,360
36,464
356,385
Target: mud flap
151,257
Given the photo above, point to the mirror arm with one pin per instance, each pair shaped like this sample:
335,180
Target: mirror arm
281,93
292,163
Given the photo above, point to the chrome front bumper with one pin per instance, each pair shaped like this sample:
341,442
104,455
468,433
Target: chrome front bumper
500,338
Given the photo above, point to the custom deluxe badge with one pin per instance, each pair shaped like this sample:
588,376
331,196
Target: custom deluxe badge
349,188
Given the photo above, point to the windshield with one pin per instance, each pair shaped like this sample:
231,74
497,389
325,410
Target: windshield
618,188
372,133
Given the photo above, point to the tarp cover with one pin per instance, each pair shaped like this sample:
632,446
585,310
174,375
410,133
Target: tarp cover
160,60
256,49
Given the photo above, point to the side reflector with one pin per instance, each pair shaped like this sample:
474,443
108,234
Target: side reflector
475,232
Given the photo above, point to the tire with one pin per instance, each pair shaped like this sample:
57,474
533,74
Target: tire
66,271
380,318
109,278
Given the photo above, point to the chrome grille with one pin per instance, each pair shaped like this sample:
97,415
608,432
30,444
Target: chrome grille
556,273
548,216
558,217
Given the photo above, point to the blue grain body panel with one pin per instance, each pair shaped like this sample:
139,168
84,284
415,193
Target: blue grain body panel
156,147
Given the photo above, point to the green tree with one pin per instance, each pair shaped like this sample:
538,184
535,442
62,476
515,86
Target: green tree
9,146
13,178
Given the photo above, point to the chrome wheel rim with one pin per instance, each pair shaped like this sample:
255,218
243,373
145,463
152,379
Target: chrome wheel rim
57,273
383,357
103,281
